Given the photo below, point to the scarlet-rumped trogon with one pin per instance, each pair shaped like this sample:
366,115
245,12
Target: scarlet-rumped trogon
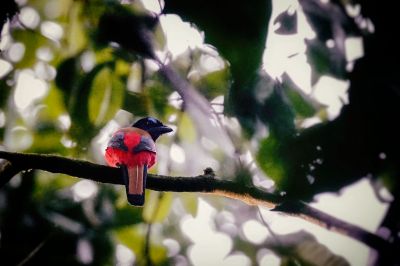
133,149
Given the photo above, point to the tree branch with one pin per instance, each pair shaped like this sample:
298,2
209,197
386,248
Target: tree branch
206,183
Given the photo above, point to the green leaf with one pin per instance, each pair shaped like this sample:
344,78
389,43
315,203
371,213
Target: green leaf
32,40
105,98
190,203
270,159
231,28
137,103
75,33
325,61
134,238
158,95
187,129
82,126
126,215
137,34
278,114
54,104
303,105
157,206
4,92
238,31
213,84
47,184
47,139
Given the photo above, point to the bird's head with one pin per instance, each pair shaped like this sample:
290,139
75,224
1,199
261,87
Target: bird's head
153,126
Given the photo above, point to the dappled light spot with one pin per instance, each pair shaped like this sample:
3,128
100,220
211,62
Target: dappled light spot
201,232
64,121
269,260
29,88
44,54
124,255
318,161
330,43
18,139
177,154
84,189
284,52
353,48
236,259
353,10
354,196
153,5
211,63
310,179
2,119
29,17
180,35
229,229
135,78
51,30
84,251
87,60
5,39
201,254
45,71
309,122
172,118
16,52
151,65
180,261
255,232
332,93
67,142
5,68
173,247
53,9
175,100
260,180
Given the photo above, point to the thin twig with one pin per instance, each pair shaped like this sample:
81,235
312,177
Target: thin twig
34,251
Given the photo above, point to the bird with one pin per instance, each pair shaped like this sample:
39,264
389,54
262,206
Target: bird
133,150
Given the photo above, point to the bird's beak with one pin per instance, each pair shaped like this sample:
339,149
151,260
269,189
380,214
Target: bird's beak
163,129
155,132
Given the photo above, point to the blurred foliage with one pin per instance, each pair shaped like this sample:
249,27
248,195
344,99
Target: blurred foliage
303,248
95,59
232,28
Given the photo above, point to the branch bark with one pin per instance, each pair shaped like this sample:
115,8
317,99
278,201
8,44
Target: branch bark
206,183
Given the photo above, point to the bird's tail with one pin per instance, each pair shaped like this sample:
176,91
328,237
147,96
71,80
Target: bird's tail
135,182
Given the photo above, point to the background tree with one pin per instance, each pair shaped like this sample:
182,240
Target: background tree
72,72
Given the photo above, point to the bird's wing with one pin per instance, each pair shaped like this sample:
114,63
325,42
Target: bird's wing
145,144
117,141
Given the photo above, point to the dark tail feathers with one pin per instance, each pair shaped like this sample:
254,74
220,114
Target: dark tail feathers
134,199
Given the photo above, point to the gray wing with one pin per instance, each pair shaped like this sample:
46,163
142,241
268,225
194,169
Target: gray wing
145,144
117,141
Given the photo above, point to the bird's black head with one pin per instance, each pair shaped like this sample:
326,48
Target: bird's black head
153,126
